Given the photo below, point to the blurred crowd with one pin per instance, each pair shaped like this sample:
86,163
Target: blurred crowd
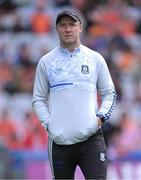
27,31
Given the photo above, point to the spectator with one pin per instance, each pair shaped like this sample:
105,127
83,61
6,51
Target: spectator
35,135
121,141
8,132
24,55
40,21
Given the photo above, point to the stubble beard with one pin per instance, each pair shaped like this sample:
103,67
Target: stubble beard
69,43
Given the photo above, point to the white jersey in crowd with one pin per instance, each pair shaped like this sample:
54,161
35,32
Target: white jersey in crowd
65,93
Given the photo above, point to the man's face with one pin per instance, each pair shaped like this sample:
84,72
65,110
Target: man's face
68,30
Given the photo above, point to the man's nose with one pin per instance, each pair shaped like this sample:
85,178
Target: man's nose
68,28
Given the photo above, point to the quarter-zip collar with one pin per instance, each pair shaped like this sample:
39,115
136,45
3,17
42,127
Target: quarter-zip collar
68,52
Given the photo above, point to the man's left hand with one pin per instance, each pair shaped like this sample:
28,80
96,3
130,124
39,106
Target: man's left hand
99,121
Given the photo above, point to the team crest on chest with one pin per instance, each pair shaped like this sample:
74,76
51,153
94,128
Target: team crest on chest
84,69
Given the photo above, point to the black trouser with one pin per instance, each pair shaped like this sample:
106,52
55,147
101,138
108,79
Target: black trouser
89,155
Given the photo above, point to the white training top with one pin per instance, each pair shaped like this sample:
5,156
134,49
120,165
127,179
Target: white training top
65,93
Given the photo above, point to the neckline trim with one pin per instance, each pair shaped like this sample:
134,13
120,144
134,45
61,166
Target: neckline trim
67,51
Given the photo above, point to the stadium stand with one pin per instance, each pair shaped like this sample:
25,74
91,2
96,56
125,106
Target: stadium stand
112,27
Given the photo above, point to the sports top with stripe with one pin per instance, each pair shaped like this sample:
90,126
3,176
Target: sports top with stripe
65,93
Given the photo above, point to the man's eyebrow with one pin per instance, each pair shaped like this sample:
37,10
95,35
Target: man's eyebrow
61,22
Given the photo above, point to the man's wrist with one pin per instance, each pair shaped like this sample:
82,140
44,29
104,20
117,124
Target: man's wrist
101,117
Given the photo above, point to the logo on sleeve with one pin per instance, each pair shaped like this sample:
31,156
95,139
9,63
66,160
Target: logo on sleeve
102,156
84,69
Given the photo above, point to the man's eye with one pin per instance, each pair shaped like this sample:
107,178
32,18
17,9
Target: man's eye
72,24
62,25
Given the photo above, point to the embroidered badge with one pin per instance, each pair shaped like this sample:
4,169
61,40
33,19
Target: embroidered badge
102,156
85,69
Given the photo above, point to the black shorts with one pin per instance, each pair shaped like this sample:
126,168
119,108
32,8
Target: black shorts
89,155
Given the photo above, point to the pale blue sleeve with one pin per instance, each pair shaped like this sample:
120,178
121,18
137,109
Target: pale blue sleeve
106,89
40,94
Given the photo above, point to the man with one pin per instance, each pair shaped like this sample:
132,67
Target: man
65,100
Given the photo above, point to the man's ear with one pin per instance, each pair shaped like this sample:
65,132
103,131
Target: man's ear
81,28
